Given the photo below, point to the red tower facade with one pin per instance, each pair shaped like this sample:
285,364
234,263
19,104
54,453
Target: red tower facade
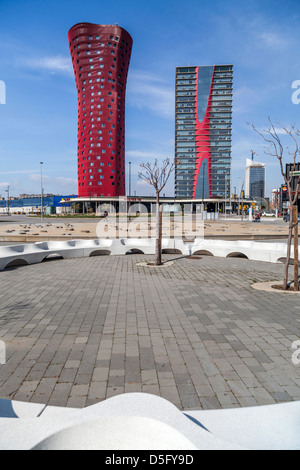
100,56
203,131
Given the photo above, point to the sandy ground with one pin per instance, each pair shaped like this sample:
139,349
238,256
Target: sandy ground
60,229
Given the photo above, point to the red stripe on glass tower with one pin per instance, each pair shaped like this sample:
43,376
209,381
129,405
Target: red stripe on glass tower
100,56
203,132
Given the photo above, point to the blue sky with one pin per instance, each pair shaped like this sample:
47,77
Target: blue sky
39,119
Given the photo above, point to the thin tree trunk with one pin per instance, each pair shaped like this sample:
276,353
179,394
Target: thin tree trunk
288,256
158,233
296,255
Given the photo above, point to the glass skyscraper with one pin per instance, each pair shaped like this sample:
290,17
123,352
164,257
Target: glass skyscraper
203,126
255,179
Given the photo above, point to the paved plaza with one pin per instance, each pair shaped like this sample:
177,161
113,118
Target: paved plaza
195,332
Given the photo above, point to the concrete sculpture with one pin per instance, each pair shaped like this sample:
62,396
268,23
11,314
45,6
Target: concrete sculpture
141,421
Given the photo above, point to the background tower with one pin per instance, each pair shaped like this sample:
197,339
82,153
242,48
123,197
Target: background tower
100,56
255,179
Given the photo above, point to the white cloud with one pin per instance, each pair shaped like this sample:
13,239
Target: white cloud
272,40
56,179
54,184
142,155
149,91
66,181
141,182
139,75
247,99
244,98
52,64
16,172
36,177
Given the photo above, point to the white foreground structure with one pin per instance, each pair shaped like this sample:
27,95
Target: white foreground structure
138,421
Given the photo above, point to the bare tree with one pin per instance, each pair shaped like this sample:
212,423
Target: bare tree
157,176
276,149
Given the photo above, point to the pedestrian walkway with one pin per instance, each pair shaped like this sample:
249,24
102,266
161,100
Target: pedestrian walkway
194,332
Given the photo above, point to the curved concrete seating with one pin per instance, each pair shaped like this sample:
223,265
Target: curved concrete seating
38,252
255,251
139,421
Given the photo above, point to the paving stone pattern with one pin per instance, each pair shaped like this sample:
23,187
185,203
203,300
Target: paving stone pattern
82,330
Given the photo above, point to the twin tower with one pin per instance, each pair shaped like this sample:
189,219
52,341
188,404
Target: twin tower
203,118
100,56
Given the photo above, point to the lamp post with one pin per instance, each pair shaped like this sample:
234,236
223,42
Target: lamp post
239,195
129,187
7,191
226,174
225,193
129,180
42,201
203,176
234,205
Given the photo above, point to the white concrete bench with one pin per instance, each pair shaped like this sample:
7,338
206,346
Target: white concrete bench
38,252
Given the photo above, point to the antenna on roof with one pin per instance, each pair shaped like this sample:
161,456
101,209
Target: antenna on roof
253,153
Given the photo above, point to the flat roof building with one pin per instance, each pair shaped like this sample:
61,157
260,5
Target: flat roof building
203,127
31,204
255,179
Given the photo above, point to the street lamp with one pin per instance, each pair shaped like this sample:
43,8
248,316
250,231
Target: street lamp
225,192
240,192
129,187
129,179
203,181
7,191
226,189
42,201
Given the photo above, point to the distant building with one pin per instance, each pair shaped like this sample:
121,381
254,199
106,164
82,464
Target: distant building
203,120
290,167
100,56
255,180
276,199
31,204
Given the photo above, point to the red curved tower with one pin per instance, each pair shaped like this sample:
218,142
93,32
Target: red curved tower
100,56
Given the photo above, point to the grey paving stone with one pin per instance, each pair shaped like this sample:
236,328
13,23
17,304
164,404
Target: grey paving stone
81,330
